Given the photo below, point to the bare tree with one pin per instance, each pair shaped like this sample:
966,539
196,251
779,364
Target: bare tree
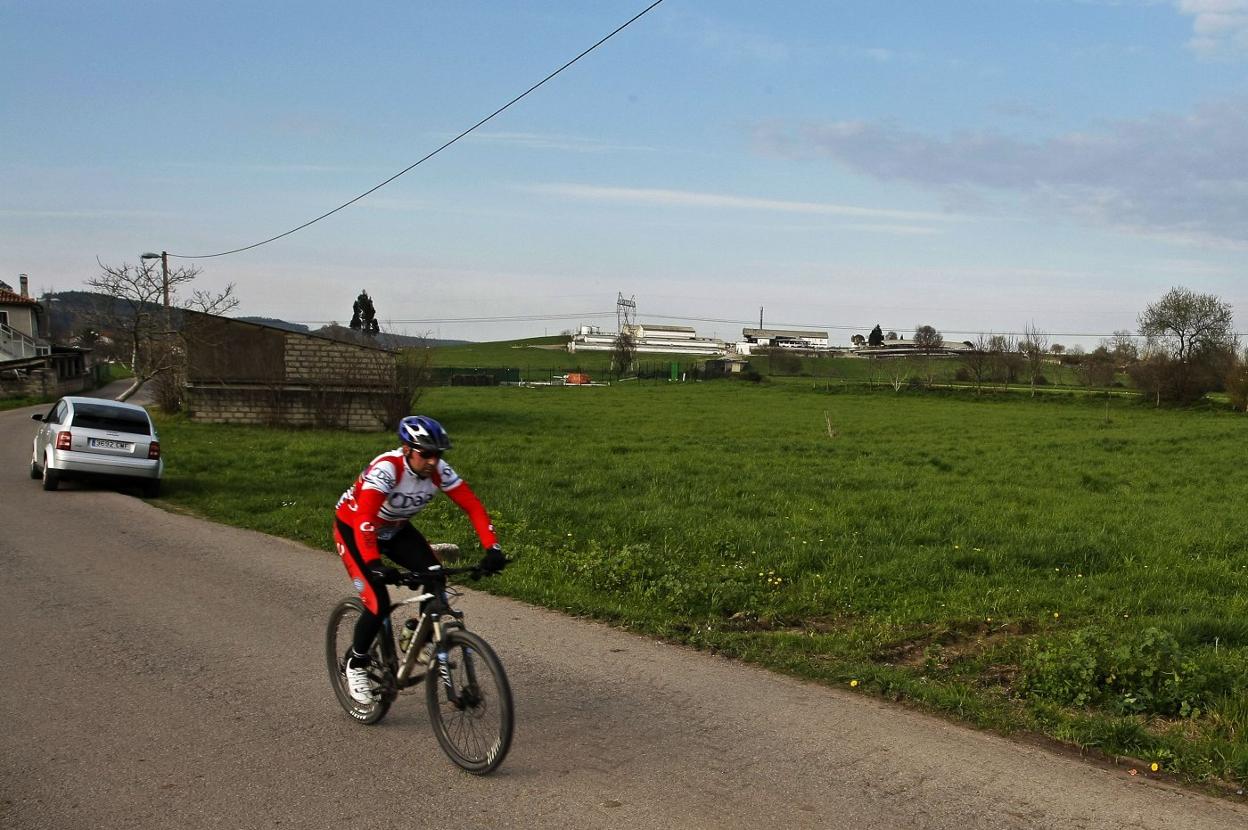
899,376
928,340
1006,360
140,322
624,351
1123,347
978,361
1097,369
1034,346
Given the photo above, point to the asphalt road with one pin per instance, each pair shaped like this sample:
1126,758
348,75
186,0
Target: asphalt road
161,671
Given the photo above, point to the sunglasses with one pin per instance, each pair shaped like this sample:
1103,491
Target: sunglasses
426,454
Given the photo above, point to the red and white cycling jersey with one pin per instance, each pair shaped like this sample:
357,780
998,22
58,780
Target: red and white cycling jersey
388,494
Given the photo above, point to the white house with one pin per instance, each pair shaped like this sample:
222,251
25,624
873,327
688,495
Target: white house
20,325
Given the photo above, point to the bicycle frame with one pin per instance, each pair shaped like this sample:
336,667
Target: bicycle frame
433,623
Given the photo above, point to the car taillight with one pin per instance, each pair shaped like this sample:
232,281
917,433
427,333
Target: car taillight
153,450
63,440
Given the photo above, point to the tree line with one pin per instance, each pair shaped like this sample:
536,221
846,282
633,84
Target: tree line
1185,348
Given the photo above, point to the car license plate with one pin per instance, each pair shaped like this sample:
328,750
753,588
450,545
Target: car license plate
106,444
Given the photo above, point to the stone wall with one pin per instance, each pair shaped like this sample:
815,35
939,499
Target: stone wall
291,406
44,383
246,373
319,360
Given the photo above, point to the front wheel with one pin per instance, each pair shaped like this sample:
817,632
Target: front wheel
470,702
338,637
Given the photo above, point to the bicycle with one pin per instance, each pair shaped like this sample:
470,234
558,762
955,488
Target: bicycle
469,704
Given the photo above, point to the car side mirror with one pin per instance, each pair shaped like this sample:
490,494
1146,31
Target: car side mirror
36,417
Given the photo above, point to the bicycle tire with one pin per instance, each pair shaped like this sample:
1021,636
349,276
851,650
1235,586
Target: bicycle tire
475,732
338,636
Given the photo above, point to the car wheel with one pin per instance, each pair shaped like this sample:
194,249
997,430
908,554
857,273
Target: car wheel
51,478
34,470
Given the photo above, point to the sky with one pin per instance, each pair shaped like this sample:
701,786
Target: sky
974,166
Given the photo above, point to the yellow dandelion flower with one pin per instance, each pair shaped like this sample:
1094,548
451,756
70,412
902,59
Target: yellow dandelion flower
853,683
1154,766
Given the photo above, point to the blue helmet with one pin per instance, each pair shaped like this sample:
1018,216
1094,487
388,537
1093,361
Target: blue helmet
423,433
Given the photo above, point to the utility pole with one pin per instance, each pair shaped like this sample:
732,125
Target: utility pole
760,318
164,274
164,282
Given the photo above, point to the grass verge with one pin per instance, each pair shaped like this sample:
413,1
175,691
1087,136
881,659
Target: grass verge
1070,567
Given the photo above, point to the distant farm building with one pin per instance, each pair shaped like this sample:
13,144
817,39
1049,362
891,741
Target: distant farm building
811,341
908,348
647,339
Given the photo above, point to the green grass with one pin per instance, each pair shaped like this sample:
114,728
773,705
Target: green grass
941,548
540,357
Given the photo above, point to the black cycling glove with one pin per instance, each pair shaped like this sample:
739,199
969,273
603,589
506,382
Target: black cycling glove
382,573
494,561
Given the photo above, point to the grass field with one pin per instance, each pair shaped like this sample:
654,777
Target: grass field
547,353
539,357
1063,565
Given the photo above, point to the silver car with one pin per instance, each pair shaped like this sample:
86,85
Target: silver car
87,437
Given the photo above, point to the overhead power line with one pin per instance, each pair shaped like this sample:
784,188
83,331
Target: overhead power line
430,155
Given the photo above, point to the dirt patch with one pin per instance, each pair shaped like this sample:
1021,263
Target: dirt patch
944,646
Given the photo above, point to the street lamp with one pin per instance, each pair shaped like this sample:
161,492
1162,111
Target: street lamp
163,256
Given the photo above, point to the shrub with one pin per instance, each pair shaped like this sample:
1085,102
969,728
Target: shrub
1147,672
1237,385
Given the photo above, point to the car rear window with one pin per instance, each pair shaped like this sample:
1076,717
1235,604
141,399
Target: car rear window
112,418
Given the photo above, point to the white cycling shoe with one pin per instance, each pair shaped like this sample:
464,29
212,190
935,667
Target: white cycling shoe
360,686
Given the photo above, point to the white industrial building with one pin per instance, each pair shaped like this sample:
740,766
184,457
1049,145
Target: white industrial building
814,341
647,339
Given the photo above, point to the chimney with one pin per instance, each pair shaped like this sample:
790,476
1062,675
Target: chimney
24,283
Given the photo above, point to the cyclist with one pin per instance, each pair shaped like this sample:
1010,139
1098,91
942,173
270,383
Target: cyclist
372,519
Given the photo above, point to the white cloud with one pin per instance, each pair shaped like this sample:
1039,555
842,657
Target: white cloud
1218,26
1178,175
685,198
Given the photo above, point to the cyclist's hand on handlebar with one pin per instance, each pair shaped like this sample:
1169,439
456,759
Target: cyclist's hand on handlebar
383,573
494,561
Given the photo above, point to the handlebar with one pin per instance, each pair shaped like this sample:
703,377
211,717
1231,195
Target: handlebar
413,579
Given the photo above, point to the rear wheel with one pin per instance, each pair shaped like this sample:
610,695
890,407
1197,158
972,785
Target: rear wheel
51,478
34,470
470,703
338,636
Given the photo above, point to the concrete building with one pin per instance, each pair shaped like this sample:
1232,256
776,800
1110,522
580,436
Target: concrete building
648,339
29,364
754,339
